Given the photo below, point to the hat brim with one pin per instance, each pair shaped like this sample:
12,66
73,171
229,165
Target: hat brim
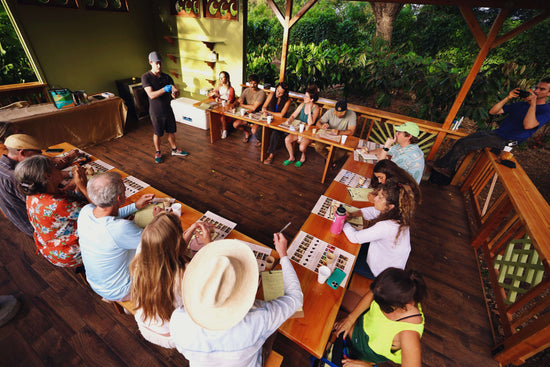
242,296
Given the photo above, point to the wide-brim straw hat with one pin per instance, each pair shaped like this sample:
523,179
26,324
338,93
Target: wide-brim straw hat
219,284
22,141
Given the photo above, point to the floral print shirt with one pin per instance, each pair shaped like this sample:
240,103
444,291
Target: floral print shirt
53,217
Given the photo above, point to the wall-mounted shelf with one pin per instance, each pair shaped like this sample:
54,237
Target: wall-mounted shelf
211,81
208,42
174,73
173,57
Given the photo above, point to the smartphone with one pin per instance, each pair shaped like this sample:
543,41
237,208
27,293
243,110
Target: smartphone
523,93
336,278
54,150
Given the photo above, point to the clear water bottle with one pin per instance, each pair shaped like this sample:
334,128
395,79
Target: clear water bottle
339,219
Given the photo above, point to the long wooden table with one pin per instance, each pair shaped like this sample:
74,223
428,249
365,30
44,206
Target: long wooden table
188,214
215,115
321,303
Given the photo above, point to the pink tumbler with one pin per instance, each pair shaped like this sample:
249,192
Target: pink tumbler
339,219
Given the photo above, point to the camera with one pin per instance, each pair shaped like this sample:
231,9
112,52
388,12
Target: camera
523,93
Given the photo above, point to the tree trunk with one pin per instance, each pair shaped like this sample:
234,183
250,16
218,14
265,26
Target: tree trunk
385,14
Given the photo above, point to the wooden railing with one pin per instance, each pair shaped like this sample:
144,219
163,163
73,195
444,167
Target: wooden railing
34,92
513,233
376,125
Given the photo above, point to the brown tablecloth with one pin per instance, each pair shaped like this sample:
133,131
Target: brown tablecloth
80,125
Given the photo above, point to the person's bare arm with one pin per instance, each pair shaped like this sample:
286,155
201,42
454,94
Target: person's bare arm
154,93
497,108
530,120
381,153
410,348
312,118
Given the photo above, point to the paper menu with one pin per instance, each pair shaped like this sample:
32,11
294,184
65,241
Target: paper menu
133,185
260,253
326,206
99,166
351,179
310,252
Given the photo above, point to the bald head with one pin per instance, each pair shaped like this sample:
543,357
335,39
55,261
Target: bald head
105,189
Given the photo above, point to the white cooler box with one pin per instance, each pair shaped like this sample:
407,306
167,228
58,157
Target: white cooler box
187,114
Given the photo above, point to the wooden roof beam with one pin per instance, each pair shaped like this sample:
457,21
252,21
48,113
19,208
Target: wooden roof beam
521,28
302,11
472,22
275,9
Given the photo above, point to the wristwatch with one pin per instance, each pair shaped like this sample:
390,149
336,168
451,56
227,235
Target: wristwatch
386,149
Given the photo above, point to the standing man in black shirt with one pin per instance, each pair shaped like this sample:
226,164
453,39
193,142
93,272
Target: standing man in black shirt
160,89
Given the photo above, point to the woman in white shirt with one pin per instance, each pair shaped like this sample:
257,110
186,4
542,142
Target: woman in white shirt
157,270
386,238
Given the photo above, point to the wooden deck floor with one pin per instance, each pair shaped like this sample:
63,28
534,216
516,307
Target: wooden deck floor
63,323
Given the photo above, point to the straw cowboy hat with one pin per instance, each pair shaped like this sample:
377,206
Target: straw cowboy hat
219,284
22,141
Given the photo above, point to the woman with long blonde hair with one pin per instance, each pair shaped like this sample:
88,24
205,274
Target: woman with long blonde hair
157,270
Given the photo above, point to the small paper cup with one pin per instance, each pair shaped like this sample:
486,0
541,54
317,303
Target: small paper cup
323,274
269,119
302,127
269,262
176,209
344,138
243,111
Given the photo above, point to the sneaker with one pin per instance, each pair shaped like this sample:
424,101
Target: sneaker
224,134
9,306
158,157
179,152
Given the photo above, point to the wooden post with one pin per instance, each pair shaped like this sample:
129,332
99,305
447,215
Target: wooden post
286,35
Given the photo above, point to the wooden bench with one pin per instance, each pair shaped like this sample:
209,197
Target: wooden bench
274,360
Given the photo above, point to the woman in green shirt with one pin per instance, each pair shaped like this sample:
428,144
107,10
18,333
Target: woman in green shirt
388,322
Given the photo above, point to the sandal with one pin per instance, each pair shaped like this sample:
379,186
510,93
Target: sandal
269,160
299,164
245,139
258,143
287,162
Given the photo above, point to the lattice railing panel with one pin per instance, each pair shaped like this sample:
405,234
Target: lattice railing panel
519,269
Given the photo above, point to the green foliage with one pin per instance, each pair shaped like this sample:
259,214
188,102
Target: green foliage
14,65
432,52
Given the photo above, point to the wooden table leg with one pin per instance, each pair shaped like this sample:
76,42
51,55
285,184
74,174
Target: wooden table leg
214,120
327,164
266,135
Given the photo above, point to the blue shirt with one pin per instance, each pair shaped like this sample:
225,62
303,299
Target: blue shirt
511,128
107,245
410,158
241,345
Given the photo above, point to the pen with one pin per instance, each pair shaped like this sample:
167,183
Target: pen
285,227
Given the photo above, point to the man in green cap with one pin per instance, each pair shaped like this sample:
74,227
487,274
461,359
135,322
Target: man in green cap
406,153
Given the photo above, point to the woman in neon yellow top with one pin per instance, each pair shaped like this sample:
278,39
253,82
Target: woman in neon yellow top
388,322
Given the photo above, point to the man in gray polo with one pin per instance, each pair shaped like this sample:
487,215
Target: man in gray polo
340,121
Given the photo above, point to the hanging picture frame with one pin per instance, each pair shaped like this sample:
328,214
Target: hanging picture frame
51,3
108,5
186,8
221,9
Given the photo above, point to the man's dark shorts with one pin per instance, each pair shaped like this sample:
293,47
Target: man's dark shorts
163,124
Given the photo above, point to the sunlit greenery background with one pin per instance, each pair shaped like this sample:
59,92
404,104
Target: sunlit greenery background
14,64
432,50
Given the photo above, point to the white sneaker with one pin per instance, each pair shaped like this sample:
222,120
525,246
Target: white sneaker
224,134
